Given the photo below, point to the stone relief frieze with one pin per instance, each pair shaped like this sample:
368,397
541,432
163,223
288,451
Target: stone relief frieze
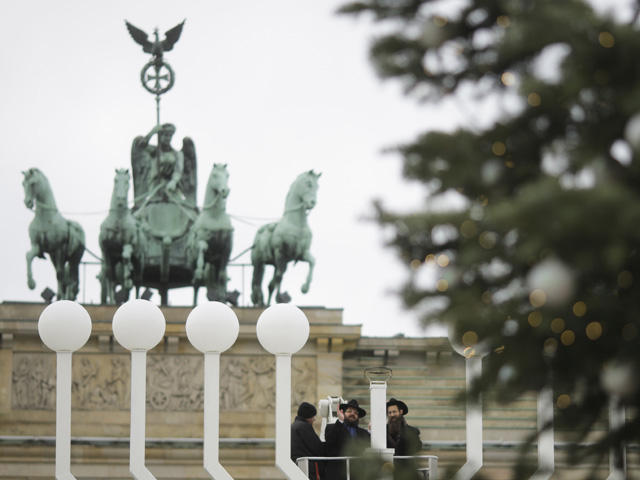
174,382
33,382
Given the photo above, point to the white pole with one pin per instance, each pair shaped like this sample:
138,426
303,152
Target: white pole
546,453
212,417
617,456
283,419
378,392
138,416
63,416
474,423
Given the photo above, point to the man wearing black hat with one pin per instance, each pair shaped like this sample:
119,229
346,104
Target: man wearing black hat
304,439
402,437
345,438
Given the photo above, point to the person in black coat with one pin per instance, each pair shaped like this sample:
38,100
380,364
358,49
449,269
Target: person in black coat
403,438
305,441
345,438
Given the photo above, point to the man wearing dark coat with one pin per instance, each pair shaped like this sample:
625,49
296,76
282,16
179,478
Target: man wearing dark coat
304,440
346,439
403,438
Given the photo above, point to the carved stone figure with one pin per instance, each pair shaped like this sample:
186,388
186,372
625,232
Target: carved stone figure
211,238
51,233
122,243
33,382
288,240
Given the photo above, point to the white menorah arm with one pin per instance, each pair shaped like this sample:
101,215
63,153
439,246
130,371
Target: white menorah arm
138,416
283,420
212,417
63,416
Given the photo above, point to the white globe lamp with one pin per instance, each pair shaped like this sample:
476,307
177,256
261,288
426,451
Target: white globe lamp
139,325
282,329
64,326
212,327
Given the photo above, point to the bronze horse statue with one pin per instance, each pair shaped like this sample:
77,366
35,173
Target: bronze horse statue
122,244
51,233
288,240
211,238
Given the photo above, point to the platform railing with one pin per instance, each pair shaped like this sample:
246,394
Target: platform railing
431,472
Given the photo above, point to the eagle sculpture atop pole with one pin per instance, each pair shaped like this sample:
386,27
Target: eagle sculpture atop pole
161,79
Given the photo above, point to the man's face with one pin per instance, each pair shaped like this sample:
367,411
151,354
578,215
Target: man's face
311,420
393,413
351,415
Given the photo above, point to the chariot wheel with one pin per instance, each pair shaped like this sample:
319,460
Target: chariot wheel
159,400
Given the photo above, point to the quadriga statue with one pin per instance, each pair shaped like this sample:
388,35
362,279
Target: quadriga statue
51,233
285,241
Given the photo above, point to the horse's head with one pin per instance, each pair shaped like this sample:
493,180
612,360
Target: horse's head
304,191
120,188
219,180
31,184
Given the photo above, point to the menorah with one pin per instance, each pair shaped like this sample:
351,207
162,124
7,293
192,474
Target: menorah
212,328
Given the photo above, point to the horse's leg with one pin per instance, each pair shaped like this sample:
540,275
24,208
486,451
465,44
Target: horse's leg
196,287
223,278
198,273
280,266
127,267
220,279
104,283
100,277
31,254
138,269
164,294
211,281
106,278
59,265
74,282
307,257
256,284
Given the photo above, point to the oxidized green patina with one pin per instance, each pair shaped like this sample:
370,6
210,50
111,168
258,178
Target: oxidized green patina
52,234
211,238
285,241
123,245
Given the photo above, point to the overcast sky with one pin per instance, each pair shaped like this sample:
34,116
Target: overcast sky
271,88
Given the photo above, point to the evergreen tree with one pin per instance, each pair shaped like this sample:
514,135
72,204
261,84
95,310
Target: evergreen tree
538,261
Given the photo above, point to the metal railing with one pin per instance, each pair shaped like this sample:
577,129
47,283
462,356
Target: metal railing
430,473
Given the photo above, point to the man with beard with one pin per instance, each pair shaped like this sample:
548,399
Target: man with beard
305,441
345,438
403,438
